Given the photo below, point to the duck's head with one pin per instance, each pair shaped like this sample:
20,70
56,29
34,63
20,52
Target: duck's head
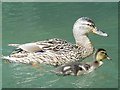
101,54
85,25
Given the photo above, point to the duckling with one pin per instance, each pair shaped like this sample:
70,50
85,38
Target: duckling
57,51
80,68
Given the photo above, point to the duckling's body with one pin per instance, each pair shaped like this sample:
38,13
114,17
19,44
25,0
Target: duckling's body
80,68
57,51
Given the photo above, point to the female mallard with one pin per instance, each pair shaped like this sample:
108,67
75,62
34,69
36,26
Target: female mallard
57,51
79,68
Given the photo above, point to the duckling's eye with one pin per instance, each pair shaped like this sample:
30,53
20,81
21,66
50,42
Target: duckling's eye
104,53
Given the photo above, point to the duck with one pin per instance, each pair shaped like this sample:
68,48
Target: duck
81,68
57,51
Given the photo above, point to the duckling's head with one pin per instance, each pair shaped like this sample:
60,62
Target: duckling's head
101,54
85,25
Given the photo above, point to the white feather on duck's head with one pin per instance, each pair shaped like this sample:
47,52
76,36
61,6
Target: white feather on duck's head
85,25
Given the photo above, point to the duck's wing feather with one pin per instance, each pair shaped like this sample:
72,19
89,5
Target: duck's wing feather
30,47
51,44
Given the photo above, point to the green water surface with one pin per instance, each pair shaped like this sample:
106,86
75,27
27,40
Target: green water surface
27,22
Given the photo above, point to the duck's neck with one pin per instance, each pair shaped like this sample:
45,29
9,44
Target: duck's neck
84,43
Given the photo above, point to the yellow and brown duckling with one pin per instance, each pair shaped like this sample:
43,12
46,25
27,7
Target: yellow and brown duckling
58,51
80,68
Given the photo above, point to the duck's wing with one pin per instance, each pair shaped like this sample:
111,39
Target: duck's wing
32,47
51,44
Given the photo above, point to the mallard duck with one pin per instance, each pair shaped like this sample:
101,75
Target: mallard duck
80,68
58,51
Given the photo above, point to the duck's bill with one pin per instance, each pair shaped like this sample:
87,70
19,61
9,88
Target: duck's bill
99,32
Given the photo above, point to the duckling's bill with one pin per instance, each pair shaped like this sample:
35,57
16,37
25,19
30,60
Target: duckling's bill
109,58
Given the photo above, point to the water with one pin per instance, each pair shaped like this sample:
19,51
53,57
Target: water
27,22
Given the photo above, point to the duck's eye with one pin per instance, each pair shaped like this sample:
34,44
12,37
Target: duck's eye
91,25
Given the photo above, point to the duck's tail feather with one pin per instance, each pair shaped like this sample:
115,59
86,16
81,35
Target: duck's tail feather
14,45
7,58
15,60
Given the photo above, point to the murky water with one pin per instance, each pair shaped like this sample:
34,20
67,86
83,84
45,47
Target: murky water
27,22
